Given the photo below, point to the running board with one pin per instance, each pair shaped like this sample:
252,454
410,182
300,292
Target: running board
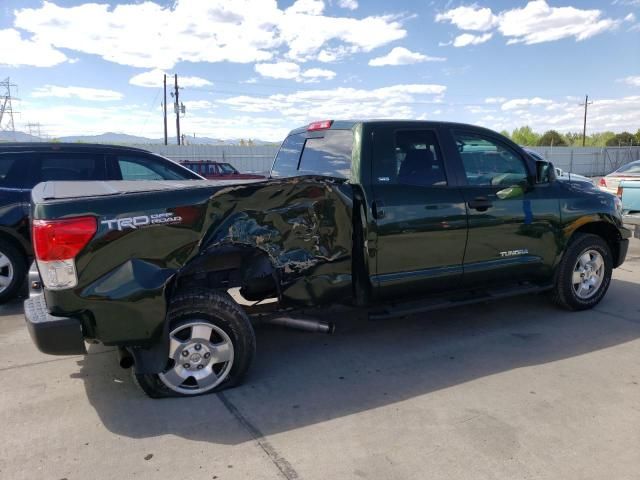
410,308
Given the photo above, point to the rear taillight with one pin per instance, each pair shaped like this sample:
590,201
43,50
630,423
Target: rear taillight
602,182
56,244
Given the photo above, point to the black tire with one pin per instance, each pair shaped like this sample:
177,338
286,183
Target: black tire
564,293
18,268
218,309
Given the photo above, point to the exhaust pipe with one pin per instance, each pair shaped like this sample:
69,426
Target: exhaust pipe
125,359
306,324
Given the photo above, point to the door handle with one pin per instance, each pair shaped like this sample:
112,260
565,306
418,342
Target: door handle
377,208
481,204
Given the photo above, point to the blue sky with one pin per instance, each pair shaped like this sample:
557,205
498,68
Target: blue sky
258,68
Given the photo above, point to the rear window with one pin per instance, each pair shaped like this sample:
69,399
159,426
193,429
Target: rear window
327,154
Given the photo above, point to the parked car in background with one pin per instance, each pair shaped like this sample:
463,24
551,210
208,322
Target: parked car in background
561,174
219,171
629,193
630,171
23,165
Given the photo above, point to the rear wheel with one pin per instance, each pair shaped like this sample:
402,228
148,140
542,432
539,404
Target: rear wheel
211,346
13,270
584,274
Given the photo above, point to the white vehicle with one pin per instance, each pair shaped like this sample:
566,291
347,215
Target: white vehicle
630,171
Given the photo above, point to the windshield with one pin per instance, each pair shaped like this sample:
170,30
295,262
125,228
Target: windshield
327,153
633,167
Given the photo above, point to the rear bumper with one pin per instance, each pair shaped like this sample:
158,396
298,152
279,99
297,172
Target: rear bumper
53,335
631,219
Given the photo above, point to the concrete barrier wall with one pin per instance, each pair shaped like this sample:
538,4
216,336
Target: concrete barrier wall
590,161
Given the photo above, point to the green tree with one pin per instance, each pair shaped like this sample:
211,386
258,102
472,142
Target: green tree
623,139
599,139
637,142
505,133
525,136
574,138
551,138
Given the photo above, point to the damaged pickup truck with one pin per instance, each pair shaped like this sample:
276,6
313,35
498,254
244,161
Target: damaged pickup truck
390,217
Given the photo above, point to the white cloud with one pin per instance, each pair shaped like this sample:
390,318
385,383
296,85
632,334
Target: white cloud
396,101
350,4
157,36
199,105
154,79
17,51
402,56
616,114
311,7
317,73
492,100
525,102
285,70
292,71
83,93
470,39
469,18
634,81
536,22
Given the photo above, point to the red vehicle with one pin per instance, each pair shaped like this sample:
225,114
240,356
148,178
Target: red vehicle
217,170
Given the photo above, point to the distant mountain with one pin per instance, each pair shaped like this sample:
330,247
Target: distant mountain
122,138
18,137
108,137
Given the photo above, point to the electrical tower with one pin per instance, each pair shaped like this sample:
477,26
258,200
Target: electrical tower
35,130
7,123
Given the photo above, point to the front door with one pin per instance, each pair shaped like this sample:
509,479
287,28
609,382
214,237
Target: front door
512,221
419,220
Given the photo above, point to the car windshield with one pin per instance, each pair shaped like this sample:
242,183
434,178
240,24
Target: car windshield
633,168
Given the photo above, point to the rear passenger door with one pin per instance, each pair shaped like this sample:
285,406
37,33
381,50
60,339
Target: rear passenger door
419,217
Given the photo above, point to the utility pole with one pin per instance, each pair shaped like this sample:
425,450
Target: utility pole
177,107
6,108
584,128
164,107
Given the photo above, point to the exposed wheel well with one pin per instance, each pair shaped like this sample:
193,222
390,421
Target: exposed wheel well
606,231
232,266
7,237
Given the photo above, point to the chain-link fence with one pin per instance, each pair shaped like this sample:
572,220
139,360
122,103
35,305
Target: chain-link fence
589,161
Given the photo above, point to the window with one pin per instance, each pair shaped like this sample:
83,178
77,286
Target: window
11,170
71,166
226,169
149,168
410,157
329,155
286,163
630,168
326,153
488,162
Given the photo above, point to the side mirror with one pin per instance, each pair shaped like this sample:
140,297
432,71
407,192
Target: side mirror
545,172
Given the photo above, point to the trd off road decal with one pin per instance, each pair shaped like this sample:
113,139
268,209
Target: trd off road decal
141,221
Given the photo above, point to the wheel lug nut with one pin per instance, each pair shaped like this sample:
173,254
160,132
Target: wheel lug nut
185,353
200,367
186,365
198,347
207,355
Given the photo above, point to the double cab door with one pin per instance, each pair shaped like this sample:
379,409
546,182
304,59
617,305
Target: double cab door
453,208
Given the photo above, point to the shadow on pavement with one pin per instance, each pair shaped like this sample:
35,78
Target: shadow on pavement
299,379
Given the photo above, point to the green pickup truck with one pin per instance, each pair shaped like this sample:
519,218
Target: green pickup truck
388,217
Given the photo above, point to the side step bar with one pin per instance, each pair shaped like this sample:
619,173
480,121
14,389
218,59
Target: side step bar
410,308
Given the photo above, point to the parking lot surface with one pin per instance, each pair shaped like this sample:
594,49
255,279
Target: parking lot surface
516,389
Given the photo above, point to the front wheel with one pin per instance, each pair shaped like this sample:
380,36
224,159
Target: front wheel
13,270
211,346
584,274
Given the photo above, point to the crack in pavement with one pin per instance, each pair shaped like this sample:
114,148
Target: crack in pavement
278,460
